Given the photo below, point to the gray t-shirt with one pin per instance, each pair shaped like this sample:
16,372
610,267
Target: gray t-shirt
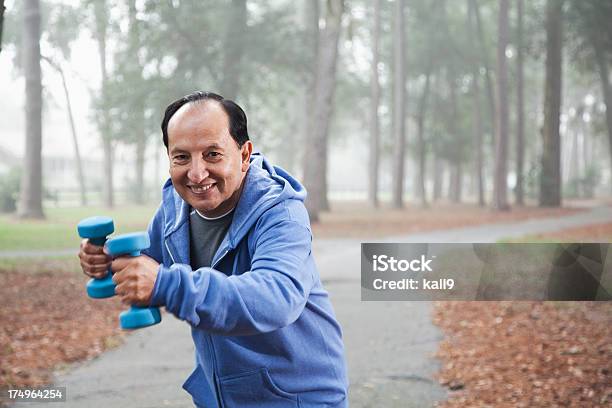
205,236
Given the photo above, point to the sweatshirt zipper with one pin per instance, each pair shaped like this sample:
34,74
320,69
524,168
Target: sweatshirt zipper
169,252
208,336
214,370
219,259
212,348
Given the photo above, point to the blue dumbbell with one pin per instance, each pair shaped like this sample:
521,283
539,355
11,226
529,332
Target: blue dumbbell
131,245
97,229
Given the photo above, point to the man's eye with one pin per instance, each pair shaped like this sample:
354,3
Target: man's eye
214,154
180,157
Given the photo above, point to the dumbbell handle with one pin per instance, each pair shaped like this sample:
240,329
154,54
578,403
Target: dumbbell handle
98,241
131,245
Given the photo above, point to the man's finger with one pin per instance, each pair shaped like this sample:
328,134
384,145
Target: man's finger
125,294
91,249
97,259
119,289
120,272
118,264
96,264
95,271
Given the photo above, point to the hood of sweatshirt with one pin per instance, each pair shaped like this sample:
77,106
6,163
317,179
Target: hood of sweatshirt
265,186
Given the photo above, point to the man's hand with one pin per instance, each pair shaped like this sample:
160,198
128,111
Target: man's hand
135,278
94,261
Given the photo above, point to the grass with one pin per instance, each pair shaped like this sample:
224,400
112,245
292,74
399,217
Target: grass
58,230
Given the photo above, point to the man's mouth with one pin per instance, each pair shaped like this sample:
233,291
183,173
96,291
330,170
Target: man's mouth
199,189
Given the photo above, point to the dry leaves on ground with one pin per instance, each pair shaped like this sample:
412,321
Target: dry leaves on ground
526,354
588,233
47,319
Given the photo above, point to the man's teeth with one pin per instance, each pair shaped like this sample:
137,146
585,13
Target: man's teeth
201,189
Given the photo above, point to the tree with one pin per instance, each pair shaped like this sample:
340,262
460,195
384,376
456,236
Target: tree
399,109
590,21
100,15
455,153
422,111
58,26
550,179
134,121
427,43
457,140
477,122
30,199
307,19
520,105
374,104
234,44
604,74
75,140
487,71
315,156
500,186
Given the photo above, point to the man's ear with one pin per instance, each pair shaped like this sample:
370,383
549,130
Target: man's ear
245,151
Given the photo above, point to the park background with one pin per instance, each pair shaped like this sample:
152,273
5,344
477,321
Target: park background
400,117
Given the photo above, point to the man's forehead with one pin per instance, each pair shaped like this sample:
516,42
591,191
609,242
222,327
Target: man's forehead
207,118
203,113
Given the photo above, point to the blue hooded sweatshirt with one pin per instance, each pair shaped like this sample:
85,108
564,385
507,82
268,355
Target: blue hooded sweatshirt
262,323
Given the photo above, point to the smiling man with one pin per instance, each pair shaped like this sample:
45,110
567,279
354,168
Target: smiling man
231,255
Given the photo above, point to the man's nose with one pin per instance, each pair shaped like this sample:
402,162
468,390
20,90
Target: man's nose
197,172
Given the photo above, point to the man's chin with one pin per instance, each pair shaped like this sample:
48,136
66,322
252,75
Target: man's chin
199,203
204,208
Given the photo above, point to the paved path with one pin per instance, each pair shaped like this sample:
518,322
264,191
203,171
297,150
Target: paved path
390,345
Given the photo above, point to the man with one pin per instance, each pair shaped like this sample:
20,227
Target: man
231,255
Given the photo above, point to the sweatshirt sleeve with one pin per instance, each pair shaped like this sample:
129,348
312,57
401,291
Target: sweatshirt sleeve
155,231
269,296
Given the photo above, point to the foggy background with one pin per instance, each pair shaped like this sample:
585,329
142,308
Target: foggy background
312,111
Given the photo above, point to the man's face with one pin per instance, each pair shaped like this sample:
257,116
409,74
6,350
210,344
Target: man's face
206,165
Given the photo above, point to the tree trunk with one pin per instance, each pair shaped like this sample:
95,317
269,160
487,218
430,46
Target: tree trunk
2,9
138,108
421,137
108,192
311,22
438,178
75,140
141,147
574,164
500,186
604,76
234,45
315,156
30,199
477,125
101,20
454,187
399,110
550,182
477,122
485,62
374,103
520,107
75,143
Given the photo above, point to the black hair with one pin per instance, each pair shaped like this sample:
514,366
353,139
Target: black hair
237,117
